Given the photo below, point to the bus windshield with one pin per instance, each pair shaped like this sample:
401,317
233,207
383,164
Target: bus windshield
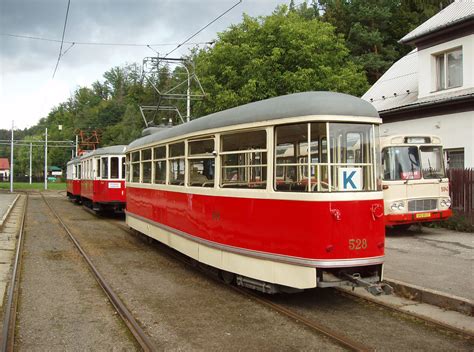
432,161
401,163
411,163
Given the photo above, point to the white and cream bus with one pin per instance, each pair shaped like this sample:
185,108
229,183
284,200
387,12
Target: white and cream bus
414,180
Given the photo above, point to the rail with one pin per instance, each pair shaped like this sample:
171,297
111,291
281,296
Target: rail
9,318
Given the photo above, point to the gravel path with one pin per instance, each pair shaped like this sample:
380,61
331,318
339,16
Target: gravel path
61,307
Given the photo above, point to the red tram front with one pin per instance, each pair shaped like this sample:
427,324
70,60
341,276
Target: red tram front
73,179
103,178
277,194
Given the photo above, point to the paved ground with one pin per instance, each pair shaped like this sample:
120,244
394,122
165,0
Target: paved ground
6,201
438,259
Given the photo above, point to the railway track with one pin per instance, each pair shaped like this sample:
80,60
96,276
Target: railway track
123,311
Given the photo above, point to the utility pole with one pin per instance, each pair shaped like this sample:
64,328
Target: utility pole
11,160
46,159
77,143
31,153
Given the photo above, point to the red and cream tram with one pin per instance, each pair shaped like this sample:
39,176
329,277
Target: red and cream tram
277,194
73,179
103,178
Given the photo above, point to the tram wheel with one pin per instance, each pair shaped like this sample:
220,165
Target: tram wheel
227,277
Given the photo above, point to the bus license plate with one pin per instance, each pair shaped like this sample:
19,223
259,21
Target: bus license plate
423,215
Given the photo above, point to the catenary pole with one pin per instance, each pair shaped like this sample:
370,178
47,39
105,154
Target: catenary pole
46,159
31,153
11,160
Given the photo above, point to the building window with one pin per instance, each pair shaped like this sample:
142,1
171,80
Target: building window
449,69
455,158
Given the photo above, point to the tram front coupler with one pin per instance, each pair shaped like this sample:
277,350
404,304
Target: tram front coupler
375,289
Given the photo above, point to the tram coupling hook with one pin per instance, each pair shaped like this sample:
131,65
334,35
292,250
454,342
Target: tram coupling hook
375,289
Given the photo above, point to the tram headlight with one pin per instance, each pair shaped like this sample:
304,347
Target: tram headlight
445,203
397,206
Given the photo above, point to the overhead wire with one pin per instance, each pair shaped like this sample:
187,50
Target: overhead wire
62,39
203,28
96,43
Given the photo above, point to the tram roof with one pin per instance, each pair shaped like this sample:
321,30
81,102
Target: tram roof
112,150
74,160
292,105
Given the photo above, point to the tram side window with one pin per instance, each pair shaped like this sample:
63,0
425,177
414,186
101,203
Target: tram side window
104,168
146,165
201,163
295,170
159,162
176,164
78,173
114,167
135,167
244,160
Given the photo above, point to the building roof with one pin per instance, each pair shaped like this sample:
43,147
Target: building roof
397,89
456,13
292,105
4,164
398,86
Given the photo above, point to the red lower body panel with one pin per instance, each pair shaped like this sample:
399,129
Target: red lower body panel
103,191
303,229
73,187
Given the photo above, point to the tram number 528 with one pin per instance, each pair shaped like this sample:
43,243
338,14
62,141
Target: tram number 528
357,244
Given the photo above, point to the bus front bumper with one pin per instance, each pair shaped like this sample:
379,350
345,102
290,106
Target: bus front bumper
411,218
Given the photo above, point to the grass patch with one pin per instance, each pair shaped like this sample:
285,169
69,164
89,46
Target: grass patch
457,222
19,186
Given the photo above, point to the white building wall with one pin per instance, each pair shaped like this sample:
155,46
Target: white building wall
427,65
455,130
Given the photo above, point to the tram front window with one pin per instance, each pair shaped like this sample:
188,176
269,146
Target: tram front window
307,160
432,162
401,163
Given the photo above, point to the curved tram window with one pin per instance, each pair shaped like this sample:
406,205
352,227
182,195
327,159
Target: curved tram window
135,166
176,164
159,165
244,160
146,166
302,163
201,163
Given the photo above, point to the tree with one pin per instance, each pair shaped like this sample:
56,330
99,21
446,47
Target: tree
372,28
275,55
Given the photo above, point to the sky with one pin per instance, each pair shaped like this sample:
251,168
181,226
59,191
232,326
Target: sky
27,90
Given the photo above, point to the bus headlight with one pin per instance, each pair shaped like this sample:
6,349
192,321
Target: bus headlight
397,206
445,203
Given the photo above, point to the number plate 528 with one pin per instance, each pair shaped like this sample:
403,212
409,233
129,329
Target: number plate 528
356,244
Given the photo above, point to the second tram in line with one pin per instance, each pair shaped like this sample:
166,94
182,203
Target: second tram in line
277,194
415,185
